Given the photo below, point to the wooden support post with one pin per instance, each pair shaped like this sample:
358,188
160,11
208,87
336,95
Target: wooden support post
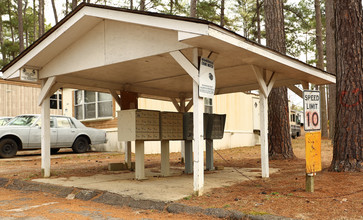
305,85
263,135
128,100
188,157
198,109
309,187
45,134
265,88
193,70
165,164
139,160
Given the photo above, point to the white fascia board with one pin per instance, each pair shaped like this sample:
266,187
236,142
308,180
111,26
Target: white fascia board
185,35
13,70
147,20
227,37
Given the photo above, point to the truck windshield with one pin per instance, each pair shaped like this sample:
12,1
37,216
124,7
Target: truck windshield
24,120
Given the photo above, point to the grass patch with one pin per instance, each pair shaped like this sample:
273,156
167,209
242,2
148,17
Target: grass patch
188,197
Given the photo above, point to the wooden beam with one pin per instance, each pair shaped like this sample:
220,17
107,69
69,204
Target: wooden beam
190,104
260,79
46,88
88,84
116,97
186,65
296,90
271,83
213,56
176,104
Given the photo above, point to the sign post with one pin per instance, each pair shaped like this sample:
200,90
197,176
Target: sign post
312,127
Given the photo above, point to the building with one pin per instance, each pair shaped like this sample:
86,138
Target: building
18,98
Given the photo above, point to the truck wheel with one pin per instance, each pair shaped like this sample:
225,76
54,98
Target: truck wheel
8,148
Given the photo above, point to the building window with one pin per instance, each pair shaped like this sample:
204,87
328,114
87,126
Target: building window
92,105
56,100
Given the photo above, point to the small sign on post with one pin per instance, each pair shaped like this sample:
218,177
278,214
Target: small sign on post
311,110
312,137
207,78
30,75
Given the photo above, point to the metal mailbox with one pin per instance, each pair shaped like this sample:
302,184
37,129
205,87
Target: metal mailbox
138,124
171,125
215,126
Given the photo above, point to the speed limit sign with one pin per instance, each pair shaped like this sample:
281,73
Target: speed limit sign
311,110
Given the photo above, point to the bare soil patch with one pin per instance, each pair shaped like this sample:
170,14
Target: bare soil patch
336,196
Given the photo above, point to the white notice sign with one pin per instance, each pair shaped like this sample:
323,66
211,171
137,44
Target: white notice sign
311,110
207,79
28,74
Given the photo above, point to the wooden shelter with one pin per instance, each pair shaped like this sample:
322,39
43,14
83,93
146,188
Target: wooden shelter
156,56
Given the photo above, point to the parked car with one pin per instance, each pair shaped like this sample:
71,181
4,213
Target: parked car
23,133
4,120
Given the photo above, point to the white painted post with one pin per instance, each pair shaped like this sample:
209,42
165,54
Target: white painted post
198,174
139,160
165,165
45,136
263,135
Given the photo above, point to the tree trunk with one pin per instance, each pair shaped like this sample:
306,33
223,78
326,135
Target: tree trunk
348,139
131,4
2,49
20,26
10,20
35,21
222,13
74,4
26,25
258,22
142,5
41,17
193,8
171,6
331,63
320,65
54,12
279,140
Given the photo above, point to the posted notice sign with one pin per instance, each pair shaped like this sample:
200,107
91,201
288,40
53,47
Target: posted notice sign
311,110
27,74
207,79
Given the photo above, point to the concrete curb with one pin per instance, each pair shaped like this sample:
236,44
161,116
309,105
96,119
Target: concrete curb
119,200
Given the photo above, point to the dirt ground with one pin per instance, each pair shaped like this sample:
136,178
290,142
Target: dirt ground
37,205
336,196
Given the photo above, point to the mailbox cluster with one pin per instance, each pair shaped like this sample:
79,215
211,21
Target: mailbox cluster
147,125
213,126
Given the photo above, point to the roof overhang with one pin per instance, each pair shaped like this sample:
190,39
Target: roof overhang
104,48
